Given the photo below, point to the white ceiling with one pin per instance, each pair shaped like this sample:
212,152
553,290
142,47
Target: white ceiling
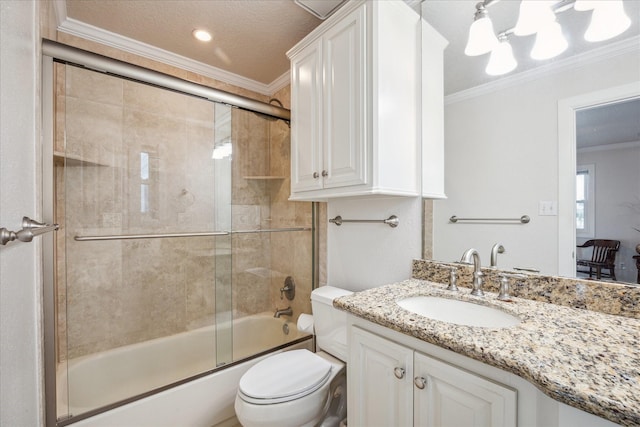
251,37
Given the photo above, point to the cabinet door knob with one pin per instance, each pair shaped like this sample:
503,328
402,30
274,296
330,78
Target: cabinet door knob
325,173
420,382
399,373
315,175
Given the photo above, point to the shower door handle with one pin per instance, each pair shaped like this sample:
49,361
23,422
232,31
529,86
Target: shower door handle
30,229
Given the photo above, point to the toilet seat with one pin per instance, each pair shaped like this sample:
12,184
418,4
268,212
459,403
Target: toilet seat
284,377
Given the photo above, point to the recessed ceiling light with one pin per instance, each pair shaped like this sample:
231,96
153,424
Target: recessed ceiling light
202,35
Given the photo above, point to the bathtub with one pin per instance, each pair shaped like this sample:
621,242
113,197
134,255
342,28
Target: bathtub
101,379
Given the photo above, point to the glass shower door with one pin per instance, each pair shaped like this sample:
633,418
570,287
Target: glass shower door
143,265
222,157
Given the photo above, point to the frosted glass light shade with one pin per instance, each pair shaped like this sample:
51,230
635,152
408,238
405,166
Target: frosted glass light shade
607,21
482,38
502,60
584,5
534,14
550,42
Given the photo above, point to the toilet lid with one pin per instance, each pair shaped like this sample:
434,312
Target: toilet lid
285,376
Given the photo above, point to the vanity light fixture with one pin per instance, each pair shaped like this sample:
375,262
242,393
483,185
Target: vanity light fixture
202,35
482,38
584,5
538,17
550,41
501,60
607,21
534,15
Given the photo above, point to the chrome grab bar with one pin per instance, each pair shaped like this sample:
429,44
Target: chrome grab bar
193,234
30,229
392,221
524,219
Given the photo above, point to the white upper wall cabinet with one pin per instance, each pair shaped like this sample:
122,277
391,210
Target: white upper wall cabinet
356,104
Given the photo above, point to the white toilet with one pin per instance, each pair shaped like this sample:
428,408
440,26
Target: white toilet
299,388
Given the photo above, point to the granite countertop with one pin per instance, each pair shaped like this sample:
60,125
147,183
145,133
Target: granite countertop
586,359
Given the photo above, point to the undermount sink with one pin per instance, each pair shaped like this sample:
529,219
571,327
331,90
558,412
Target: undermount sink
459,312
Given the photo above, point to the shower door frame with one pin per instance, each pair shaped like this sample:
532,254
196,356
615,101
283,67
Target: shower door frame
55,52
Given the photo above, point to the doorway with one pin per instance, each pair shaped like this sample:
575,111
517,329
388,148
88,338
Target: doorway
569,112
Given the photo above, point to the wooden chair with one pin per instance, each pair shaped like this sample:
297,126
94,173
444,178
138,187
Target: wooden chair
603,257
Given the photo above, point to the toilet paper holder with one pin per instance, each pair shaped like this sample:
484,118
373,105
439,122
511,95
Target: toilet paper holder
305,323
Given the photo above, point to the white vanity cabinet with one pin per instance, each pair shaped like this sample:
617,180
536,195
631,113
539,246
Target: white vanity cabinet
379,384
385,372
356,104
394,385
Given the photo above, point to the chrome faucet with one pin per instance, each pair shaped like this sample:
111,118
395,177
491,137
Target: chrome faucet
477,273
285,311
495,250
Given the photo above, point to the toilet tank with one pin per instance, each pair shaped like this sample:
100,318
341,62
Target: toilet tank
329,322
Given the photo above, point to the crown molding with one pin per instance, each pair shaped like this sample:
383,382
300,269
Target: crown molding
414,4
280,83
609,51
126,44
60,10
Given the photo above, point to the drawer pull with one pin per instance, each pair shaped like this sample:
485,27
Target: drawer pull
315,175
420,382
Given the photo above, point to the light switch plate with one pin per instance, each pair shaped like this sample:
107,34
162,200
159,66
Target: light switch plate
548,208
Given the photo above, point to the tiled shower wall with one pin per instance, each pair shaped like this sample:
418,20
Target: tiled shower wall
291,253
113,293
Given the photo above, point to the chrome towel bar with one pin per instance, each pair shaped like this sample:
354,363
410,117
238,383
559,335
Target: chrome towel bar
149,236
193,234
392,221
524,219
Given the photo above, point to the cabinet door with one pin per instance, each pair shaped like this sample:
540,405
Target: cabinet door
306,119
454,397
380,382
345,150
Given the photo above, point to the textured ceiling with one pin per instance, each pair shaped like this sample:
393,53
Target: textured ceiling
250,37
608,124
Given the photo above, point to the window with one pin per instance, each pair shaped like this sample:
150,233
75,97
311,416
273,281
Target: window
585,201
144,179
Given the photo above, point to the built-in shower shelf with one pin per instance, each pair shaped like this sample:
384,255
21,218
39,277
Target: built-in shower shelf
62,159
264,177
